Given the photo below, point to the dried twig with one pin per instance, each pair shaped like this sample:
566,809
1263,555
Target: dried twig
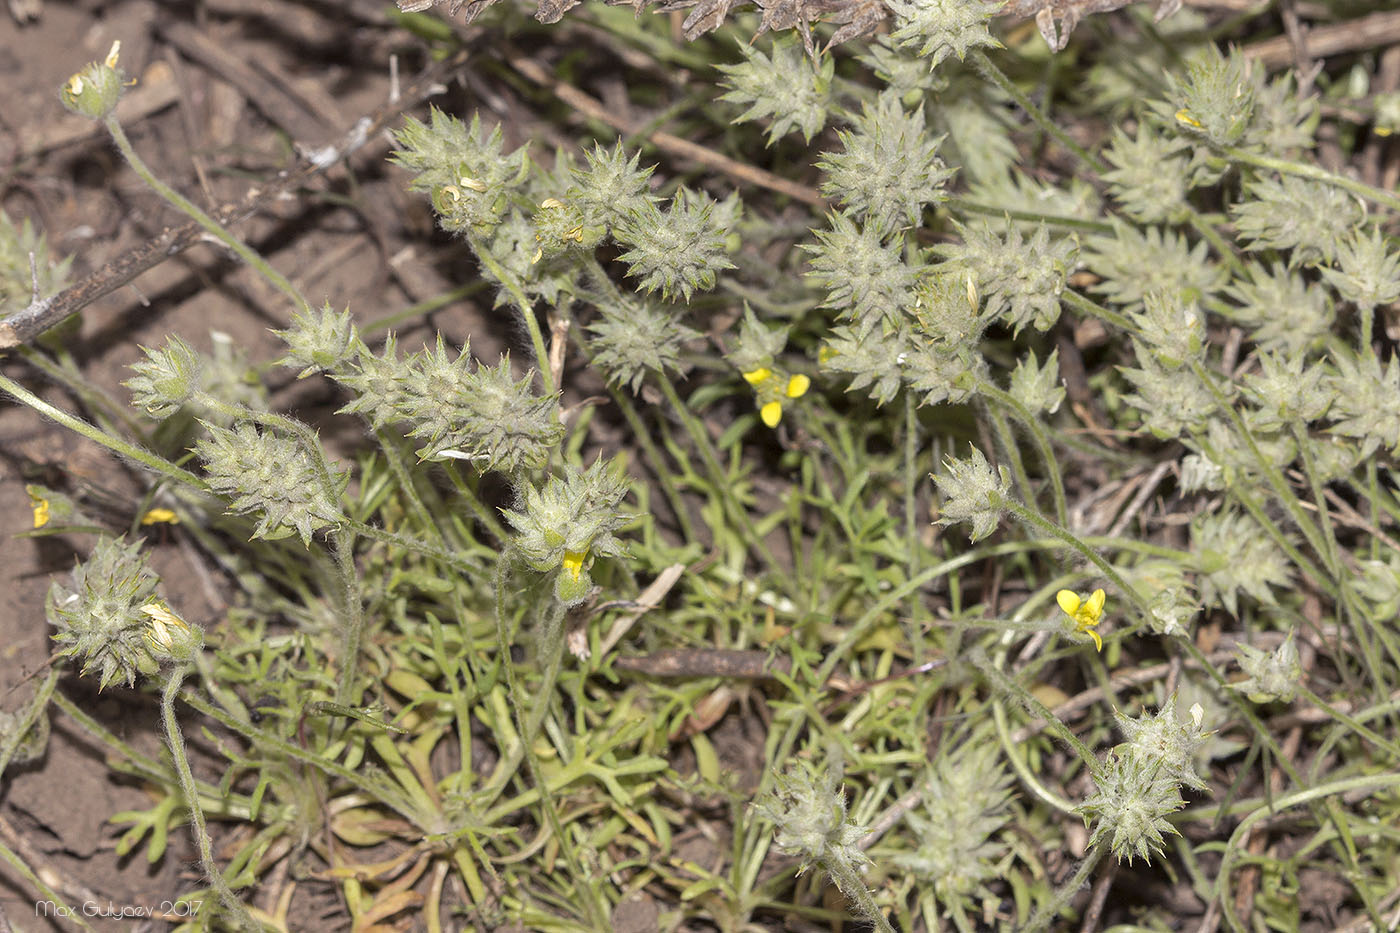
1368,32
593,108
25,325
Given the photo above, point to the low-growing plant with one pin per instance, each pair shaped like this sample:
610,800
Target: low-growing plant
474,665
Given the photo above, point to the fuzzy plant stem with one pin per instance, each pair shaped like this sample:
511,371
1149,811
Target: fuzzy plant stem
1222,246
473,501
723,488
1041,438
658,463
26,720
1007,686
644,437
342,542
850,883
115,444
1028,778
104,407
959,206
175,741
1038,116
523,305
394,457
914,626
1271,473
551,644
1051,909
417,546
212,226
1034,519
1370,735
373,786
1012,452
1314,173
1367,313
1092,308
1332,554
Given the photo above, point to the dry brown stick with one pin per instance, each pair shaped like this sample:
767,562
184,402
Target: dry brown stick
1369,32
304,120
675,145
42,314
1094,913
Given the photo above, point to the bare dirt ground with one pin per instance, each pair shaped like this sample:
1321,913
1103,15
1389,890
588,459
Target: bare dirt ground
228,94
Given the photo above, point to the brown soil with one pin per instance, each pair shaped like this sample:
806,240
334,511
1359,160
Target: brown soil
351,237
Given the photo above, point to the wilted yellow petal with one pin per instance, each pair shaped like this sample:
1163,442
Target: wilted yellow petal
1184,116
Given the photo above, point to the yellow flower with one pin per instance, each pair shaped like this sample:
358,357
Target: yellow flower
758,376
41,510
573,563
1086,613
160,517
770,397
1184,116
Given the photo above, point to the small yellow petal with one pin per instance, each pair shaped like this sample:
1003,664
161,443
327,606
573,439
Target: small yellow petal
771,414
41,512
539,253
1069,601
1184,116
111,61
798,385
758,376
75,85
1098,642
551,203
1094,605
573,563
160,517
